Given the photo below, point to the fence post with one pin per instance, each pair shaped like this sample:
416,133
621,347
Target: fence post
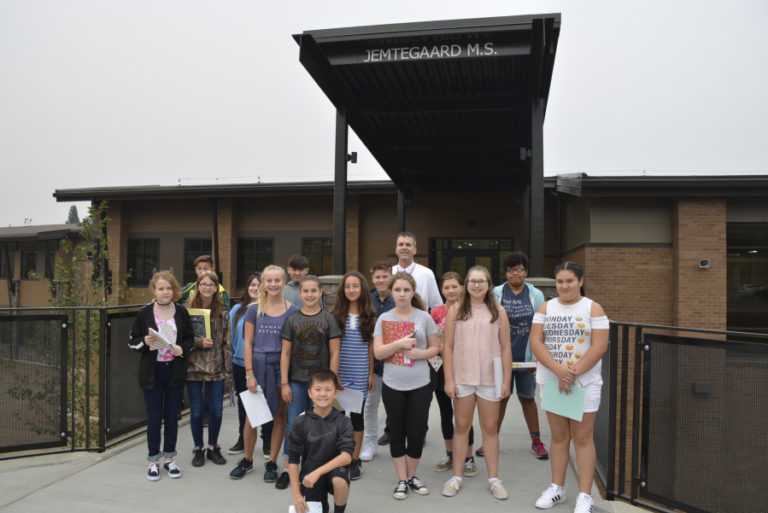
102,379
610,471
636,399
623,412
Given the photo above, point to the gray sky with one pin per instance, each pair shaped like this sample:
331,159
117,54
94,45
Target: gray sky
106,92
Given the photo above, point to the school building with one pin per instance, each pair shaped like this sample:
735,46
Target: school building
27,252
680,251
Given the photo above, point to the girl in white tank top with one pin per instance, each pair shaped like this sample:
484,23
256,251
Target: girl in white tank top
569,336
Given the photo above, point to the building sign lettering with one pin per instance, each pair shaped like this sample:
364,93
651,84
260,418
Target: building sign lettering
413,53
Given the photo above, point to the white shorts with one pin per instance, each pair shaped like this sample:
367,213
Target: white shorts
592,401
485,392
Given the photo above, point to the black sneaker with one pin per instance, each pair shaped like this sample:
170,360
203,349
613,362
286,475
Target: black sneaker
243,467
215,456
153,474
198,460
266,446
173,471
384,439
238,447
401,490
417,486
283,481
270,472
355,470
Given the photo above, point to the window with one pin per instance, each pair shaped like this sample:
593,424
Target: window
6,264
747,264
252,255
28,263
50,263
193,248
459,255
143,260
319,252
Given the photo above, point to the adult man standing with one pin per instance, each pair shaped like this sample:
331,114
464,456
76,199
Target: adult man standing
426,285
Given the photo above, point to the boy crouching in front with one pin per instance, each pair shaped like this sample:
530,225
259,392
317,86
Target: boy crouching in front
321,440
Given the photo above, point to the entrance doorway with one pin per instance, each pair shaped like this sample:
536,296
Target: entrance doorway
459,255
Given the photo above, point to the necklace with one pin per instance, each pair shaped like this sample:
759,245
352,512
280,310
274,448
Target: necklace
158,303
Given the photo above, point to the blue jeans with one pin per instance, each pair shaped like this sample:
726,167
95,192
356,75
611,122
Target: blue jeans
214,391
298,405
163,401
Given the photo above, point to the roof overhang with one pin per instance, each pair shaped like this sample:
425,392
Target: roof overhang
691,186
218,191
443,105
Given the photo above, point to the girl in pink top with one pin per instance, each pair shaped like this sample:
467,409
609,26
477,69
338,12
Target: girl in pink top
476,332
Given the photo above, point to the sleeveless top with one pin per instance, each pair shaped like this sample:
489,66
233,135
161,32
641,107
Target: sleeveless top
568,335
475,345
353,357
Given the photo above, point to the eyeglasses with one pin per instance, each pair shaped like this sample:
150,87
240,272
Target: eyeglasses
207,286
477,283
516,270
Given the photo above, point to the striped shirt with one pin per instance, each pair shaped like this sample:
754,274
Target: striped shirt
353,357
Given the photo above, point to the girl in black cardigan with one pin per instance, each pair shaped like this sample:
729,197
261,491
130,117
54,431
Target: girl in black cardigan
162,370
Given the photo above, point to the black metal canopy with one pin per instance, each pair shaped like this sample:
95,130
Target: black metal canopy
443,105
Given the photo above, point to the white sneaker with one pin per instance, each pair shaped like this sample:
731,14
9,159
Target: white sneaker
451,487
368,452
552,495
584,504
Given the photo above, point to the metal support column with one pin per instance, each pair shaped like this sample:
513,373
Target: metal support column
400,211
537,187
340,195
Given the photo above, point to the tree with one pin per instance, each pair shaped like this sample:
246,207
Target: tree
73,218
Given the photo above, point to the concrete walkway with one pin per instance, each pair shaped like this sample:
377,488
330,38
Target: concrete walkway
115,480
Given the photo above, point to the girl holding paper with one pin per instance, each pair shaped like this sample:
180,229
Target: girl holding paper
353,311
208,367
569,336
477,359
263,322
162,369
405,338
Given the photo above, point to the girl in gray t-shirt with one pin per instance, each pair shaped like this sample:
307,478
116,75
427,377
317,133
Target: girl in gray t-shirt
405,338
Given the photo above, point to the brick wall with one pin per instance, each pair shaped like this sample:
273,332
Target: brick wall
699,232
117,244
227,244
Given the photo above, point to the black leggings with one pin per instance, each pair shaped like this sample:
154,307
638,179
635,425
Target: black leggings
357,419
407,414
446,406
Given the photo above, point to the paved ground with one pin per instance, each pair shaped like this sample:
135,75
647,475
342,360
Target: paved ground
115,480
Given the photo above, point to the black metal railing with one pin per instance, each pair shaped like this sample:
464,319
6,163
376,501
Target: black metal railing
67,379
682,419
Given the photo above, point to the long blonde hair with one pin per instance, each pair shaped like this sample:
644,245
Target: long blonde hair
263,290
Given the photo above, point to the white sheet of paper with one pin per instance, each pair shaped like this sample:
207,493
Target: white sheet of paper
256,407
351,400
314,507
163,343
498,376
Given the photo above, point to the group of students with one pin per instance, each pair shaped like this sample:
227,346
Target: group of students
387,345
